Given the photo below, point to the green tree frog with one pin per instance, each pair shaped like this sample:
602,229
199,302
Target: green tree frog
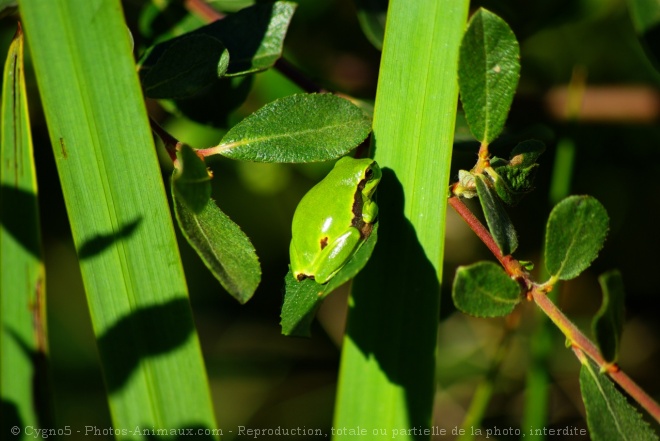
334,219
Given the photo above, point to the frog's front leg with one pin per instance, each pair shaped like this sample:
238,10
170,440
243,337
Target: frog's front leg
336,254
369,211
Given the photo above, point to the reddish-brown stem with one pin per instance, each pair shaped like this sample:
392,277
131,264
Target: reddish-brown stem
476,226
628,385
511,265
539,294
203,10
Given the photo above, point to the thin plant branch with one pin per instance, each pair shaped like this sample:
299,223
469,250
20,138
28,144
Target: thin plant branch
538,293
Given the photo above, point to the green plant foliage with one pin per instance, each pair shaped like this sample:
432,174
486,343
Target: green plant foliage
483,289
22,284
609,416
117,207
645,15
224,248
499,223
607,325
7,7
488,74
302,299
188,65
253,36
191,180
575,233
372,15
298,128
413,137
514,178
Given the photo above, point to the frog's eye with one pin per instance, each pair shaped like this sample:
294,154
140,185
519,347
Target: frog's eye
369,174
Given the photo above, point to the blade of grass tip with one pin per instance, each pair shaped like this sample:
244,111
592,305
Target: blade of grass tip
388,356
22,285
119,216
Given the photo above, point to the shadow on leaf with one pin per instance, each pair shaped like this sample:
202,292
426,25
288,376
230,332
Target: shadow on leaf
19,217
393,318
146,332
101,242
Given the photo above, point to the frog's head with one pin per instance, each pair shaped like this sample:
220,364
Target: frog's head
372,175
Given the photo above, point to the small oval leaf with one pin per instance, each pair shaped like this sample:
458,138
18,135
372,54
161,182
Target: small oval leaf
298,128
485,290
488,73
574,235
302,299
609,415
607,324
223,247
499,223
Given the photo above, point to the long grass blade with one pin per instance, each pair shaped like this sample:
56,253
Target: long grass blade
23,342
388,358
122,228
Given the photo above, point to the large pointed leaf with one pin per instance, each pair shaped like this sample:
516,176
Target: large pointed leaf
609,415
574,235
488,74
297,128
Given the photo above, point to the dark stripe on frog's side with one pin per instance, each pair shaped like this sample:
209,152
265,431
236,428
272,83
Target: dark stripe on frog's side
357,221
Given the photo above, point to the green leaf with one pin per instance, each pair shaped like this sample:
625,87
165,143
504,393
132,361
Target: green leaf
372,15
574,235
223,247
608,323
188,65
485,290
297,128
216,104
526,153
120,219
23,336
253,36
191,180
414,116
488,74
302,299
498,220
645,15
609,415
514,178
